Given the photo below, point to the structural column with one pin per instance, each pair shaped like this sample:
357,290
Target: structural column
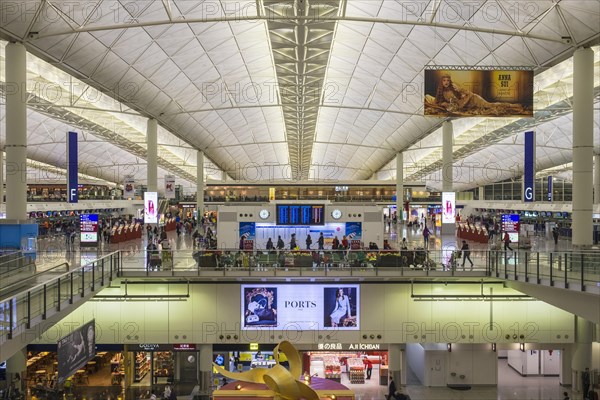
582,351
205,367
16,131
481,193
583,142
17,364
395,364
199,185
152,171
447,143
597,179
400,186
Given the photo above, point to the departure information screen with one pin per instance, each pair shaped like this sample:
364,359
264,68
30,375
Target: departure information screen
297,214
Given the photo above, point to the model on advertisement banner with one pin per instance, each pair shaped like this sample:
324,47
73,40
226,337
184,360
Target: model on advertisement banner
451,98
260,305
340,307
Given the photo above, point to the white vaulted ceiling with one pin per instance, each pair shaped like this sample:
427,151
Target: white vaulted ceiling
294,89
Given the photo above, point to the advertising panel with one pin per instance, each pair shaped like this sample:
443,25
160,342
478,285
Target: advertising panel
75,350
169,186
529,168
354,234
448,207
481,93
128,187
247,235
301,307
510,224
88,226
72,169
150,207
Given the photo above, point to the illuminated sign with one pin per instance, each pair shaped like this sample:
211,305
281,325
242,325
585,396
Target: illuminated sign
448,208
150,207
510,224
253,346
334,307
292,214
184,347
88,227
529,168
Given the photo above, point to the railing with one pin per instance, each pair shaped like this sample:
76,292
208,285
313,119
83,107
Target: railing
14,263
305,262
30,306
568,269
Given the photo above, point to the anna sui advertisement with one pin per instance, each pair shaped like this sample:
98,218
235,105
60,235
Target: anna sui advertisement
305,307
480,93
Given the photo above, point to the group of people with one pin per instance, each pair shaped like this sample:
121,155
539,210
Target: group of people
293,245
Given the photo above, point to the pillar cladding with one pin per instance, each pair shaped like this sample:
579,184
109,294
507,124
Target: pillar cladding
597,179
152,166
16,131
447,146
205,366
399,186
583,142
200,185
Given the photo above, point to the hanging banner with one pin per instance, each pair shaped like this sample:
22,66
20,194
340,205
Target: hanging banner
482,93
72,196
529,168
169,186
129,187
75,350
549,188
150,207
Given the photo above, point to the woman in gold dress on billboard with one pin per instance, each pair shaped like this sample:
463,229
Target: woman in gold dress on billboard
453,99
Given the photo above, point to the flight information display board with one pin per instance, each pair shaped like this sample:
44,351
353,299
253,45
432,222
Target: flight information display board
88,226
298,214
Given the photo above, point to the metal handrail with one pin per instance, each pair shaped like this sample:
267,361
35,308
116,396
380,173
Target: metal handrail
28,278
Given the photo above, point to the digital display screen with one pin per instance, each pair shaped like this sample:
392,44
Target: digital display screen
303,307
297,214
88,226
448,208
150,207
510,224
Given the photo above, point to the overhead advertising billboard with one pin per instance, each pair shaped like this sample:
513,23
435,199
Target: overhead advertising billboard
169,186
88,227
150,207
481,93
303,307
75,350
448,207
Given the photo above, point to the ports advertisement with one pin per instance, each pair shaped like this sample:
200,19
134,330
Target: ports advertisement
301,307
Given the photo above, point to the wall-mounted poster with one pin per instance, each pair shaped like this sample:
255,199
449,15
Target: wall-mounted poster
480,93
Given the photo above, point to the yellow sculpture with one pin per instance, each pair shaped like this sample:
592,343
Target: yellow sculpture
283,382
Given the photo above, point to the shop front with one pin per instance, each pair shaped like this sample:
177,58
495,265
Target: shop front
349,364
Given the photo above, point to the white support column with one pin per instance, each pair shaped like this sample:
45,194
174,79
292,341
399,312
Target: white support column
597,179
400,186
16,131
205,367
152,140
17,364
199,185
583,142
224,176
582,351
481,193
447,143
395,365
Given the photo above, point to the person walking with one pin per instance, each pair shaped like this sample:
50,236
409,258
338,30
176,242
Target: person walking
466,254
426,234
585,382
308,241
369,366
507,242
321,241
555,235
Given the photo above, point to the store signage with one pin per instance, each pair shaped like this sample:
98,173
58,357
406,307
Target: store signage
253,346
88,226
529,168
155,347
189,206
150,207
448,208
341,188
350,346
331,307
184,347
72,170
549,193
